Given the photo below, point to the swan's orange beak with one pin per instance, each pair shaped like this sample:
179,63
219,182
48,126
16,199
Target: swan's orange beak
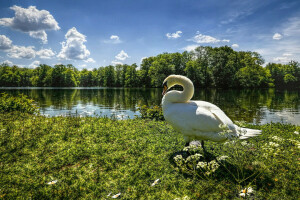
165,90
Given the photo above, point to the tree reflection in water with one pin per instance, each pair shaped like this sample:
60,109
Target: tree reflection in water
251,105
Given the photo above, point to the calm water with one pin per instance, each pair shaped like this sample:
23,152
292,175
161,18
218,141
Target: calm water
252,106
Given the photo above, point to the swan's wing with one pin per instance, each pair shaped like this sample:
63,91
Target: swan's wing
191,117
197,116
218,114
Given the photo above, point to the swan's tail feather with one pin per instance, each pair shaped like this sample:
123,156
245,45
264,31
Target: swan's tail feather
247,133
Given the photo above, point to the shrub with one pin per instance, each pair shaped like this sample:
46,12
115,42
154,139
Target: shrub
20,103
152,112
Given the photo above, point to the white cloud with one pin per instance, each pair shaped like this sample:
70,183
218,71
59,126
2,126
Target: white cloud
115,39
282,59
34,64
235,46
7,62
40,35
122,56
115,62
22,52
90,60
142,59
199,38
174,35
5,43
277,36
31,20
274,51
287,54
285,58
190,47
45,53
74,48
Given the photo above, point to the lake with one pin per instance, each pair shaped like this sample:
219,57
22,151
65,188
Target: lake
258,106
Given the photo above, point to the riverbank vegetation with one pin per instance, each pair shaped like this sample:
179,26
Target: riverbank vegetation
101,158
205,66
96,158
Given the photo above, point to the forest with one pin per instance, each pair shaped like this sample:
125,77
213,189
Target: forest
220,67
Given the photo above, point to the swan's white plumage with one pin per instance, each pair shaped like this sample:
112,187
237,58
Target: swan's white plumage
197,120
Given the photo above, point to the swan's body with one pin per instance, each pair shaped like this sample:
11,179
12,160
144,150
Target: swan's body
197,120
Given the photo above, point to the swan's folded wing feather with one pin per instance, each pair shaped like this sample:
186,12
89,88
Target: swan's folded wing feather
218,113
184,116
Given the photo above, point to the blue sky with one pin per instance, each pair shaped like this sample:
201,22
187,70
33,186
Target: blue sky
94,33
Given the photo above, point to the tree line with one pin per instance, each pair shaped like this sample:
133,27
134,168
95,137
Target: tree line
205,66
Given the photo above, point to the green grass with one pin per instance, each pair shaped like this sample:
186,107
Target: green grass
92,157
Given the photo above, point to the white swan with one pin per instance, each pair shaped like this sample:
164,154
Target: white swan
197,120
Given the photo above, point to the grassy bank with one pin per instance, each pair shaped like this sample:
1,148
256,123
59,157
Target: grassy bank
96,158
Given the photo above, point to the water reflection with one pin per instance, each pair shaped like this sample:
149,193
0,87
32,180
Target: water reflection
253,106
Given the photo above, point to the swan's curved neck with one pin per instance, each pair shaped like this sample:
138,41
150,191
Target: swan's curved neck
175,96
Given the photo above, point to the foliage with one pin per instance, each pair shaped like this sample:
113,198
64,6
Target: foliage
206,66
152,112
20,103
96,158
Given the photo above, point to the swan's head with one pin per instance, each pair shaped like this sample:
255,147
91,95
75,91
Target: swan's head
172,80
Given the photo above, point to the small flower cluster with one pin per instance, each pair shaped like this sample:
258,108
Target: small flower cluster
295,143
276,138
184,198
246,192
196,161
272,148
208,167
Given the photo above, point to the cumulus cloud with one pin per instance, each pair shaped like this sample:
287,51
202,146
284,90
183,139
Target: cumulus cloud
74,48
114,39
32,21
174,35
200,38
40,35
122,56
116,62
287,54
142,59
235,46
45,53
277,36
35,64
22,52
5,43
7,62
190,47
285,58
90,60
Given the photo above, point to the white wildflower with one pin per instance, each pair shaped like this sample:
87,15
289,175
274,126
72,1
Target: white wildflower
273,144
222,158
155,182
244,143
210,167
276,138
246,192
52,182
179,160
201,165
184,198
116,195
296,132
